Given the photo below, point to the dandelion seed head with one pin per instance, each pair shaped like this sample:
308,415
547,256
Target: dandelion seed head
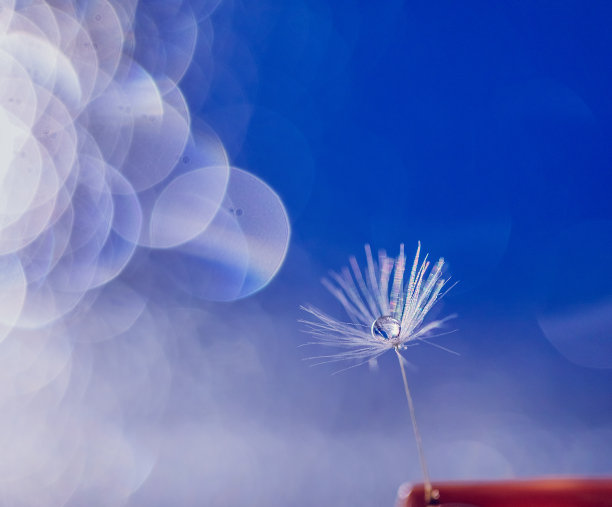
385,306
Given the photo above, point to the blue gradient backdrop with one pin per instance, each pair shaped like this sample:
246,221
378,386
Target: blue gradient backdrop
482,129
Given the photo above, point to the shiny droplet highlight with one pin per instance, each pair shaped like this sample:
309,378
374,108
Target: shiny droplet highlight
386,327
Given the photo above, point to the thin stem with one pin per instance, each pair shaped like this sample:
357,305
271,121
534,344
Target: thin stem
417,435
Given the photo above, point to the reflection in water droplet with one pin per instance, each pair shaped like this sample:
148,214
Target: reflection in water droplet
386,327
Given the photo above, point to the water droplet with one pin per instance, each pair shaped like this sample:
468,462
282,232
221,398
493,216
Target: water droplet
386,327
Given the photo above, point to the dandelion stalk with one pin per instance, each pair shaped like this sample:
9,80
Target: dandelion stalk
417,434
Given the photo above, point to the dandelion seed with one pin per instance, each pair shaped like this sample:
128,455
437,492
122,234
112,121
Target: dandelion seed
386,313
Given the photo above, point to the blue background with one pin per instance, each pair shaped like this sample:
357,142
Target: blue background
481,129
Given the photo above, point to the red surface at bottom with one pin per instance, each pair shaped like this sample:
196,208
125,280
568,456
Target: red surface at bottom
561,492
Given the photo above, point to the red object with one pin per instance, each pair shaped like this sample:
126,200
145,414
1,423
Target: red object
560,492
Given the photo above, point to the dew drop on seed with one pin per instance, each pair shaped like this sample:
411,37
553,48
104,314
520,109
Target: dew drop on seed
386,327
